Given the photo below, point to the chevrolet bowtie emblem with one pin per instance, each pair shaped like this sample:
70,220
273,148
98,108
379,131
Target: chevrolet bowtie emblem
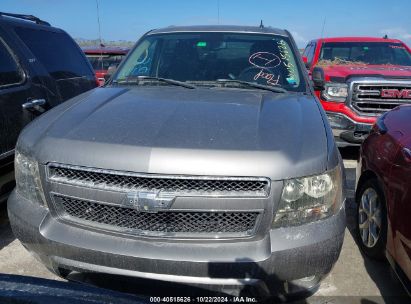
146,201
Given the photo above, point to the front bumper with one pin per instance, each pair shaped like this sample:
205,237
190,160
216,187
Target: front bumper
346,131
273,263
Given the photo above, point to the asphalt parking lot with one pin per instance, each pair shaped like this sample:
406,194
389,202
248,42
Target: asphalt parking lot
354,279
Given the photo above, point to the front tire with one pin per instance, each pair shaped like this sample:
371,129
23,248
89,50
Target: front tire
371,219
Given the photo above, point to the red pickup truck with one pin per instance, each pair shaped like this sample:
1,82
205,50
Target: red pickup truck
102,58
357,79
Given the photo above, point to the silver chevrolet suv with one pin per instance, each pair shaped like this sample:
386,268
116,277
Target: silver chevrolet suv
205,160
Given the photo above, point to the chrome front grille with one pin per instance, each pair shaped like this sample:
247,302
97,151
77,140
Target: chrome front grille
181,185
157,205
367,96
166,223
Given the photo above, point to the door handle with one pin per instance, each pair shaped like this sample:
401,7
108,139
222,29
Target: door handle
35,104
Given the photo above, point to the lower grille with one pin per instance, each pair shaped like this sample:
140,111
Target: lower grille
166,222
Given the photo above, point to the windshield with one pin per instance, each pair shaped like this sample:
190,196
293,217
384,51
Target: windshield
103,62
381,53
204,58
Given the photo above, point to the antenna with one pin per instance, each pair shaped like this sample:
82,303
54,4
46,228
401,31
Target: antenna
218,11
322,30
99,35
261,24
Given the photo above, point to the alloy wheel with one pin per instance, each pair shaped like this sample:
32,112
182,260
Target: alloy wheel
369,214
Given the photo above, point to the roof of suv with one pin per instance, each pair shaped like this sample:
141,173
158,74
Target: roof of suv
221,28
24,17
24,20
359,39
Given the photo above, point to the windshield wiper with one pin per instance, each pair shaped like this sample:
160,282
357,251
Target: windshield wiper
254,85
137,79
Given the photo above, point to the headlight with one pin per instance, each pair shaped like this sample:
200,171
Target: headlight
335,92
28,182
309,199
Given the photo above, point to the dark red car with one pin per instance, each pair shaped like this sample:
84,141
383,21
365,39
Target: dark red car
101,58
383,192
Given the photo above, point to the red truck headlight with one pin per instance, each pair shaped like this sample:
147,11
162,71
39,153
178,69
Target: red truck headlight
337,92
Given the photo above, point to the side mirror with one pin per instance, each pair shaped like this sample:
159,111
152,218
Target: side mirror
307,64
318,78
110,71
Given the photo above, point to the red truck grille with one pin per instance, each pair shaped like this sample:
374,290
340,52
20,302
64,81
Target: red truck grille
375,98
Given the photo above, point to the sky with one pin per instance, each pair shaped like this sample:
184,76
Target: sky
128,20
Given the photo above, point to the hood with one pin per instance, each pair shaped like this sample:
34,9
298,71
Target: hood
397,122
345,71
174,130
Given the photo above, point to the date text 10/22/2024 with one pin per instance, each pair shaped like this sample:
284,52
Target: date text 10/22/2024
232,299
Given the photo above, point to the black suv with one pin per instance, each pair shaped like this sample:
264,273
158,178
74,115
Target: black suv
40,67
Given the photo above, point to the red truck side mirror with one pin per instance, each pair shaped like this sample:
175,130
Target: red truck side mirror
318,78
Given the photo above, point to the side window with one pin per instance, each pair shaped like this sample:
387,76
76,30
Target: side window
10,72
56,51
307,50
311,52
